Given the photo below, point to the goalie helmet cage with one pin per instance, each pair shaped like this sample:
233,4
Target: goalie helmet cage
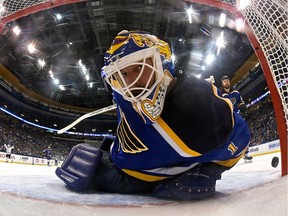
266,28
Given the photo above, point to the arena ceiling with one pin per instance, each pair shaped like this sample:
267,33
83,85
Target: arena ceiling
55,53
70,41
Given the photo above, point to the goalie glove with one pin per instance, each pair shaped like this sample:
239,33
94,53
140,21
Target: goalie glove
79,166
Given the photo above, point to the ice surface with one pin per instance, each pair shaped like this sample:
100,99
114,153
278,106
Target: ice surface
247,189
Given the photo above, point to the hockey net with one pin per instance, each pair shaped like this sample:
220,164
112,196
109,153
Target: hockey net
266,29
268,22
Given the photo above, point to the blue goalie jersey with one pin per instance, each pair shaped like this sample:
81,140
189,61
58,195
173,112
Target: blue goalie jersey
196,126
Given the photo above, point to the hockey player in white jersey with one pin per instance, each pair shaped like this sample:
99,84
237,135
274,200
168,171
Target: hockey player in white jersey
9,148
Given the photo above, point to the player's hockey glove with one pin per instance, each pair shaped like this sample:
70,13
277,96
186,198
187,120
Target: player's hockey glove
79,166
198,182
242,107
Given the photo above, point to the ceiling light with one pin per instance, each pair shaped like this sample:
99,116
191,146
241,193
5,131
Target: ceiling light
189,13
31,47
16,30
58,16
61,87
222,20
41,62
87,77
82,68
220,42
239,24
56,81
209,59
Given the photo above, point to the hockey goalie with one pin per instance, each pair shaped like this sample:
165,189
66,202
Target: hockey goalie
176,134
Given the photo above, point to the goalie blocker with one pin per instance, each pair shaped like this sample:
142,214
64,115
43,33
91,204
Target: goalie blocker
80,164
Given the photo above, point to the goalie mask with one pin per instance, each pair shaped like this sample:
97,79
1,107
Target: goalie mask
138,66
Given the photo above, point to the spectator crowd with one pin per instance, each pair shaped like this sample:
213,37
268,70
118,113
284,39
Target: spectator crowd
31,141
262,123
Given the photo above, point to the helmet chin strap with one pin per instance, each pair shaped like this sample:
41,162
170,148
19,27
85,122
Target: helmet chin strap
151,109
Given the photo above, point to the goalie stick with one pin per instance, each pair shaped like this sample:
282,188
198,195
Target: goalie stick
87,115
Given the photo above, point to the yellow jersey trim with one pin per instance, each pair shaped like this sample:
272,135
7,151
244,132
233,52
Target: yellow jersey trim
142,176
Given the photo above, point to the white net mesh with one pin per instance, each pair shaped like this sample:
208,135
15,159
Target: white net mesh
268,21
8,7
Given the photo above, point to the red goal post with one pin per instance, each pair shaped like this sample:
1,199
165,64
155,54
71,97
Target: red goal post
266,28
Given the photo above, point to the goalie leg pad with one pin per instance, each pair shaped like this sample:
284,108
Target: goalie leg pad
197,183
79,166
